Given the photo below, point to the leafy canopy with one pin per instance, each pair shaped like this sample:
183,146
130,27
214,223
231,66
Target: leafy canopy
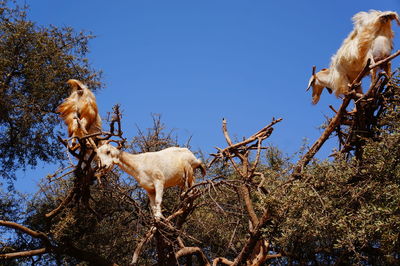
35,63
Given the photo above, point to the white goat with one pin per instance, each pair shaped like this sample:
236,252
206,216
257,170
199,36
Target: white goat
154,171
372,37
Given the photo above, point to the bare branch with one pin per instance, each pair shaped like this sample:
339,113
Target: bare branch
63,203
387,59
255,236
262,134
225,131
245,194
28,231
139,247
28,253
222,260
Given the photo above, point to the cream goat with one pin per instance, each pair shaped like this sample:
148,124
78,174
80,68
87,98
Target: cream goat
154,171
371,38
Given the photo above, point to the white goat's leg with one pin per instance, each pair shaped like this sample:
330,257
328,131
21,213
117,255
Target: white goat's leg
159,186
152,198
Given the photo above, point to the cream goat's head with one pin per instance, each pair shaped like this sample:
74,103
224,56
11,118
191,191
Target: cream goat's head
107,156
318,82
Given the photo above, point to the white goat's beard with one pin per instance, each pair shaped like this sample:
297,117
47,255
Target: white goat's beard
105,168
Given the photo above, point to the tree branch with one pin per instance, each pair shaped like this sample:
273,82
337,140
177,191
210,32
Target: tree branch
28,231
387,59
255,236
245,193
221,260
20,254
62,204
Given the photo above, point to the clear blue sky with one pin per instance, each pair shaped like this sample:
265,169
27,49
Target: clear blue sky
195,62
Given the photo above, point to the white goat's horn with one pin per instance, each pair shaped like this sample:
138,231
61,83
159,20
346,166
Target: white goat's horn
313,70
311,81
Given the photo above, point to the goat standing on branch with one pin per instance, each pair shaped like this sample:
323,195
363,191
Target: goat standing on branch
154,171
371,38
79,111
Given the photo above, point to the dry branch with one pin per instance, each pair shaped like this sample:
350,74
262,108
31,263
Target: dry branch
255,236
63,203
246,170
21,254
224,261
28,231
138,250
228,152
387,59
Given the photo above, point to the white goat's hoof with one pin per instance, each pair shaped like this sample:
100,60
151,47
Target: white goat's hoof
158,217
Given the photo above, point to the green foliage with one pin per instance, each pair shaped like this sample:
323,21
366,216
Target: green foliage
345,212
35,63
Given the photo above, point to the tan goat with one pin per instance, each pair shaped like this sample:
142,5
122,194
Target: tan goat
154,171
81,104
372,37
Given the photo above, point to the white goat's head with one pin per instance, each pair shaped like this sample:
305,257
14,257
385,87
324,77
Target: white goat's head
107,156
318,82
